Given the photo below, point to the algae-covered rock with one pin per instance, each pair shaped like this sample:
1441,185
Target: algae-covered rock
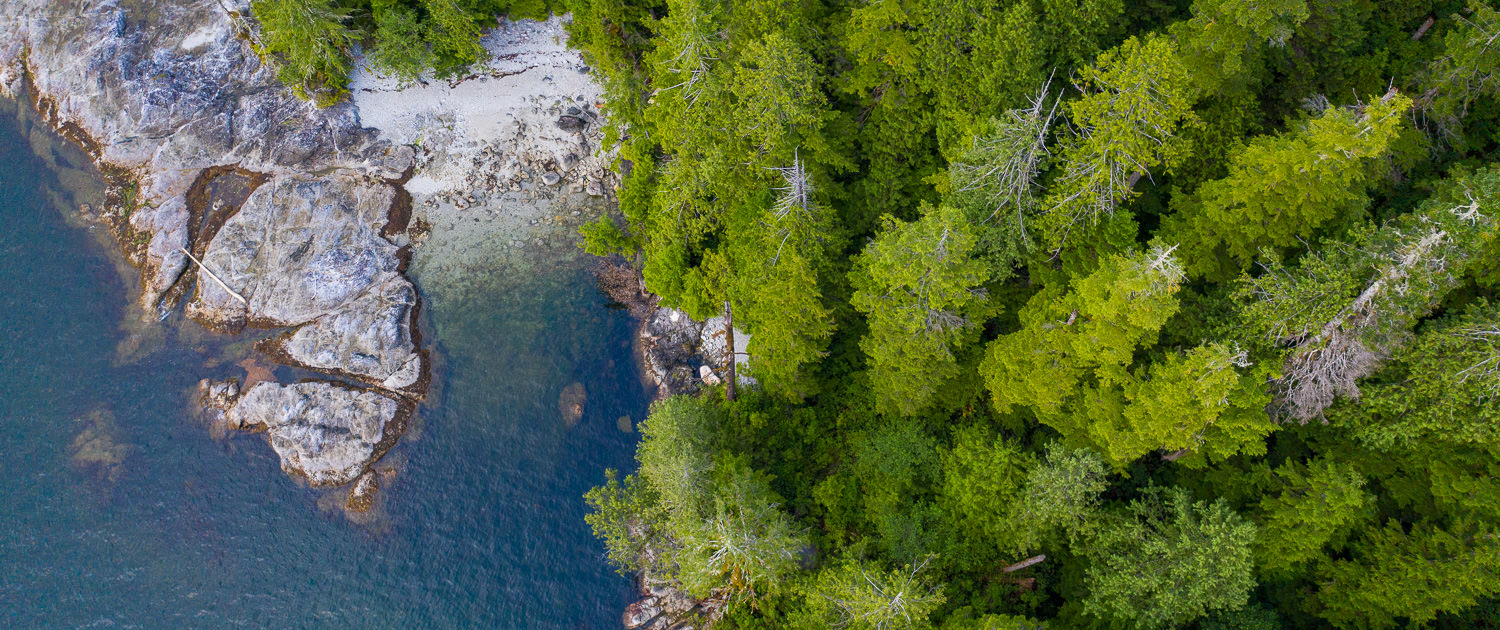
570,403
97,449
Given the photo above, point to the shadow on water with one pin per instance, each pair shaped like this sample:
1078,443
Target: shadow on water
119,508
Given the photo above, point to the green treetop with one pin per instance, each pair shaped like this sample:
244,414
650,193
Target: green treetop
1283,188
311,42
920,287
1135,99
1169,561
1318,503
1410,575
1070,364
1351,304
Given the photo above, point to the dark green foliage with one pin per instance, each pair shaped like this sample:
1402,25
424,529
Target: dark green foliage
1170,560
1411,575
1029,284
312,41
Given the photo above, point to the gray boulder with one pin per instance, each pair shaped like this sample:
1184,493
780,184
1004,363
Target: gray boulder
323,432
367,338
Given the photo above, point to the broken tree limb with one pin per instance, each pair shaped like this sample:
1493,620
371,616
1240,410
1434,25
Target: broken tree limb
206,270
1423,30
1037,559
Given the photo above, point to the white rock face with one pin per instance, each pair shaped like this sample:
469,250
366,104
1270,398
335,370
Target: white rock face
300,248
368,337
323,432
166,97
166,89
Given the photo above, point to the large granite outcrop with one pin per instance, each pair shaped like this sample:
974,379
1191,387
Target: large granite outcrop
300,248
368,338
164,89
323,432
169,94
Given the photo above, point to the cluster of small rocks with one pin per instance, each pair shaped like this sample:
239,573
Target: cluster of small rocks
680,355
662,606
521,167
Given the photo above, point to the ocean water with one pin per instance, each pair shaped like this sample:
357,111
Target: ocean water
119,509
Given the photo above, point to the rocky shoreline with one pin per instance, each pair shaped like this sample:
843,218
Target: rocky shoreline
250,209
289,207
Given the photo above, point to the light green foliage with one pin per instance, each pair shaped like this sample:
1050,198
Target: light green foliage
1463,481
1282,188
310,42
708,521
745,544
920,287
1169,561
675,454
625,517
1410,575
454,35
603,238
1195,406
784,314
1351,304
859,595
1070,365
778,87
1444,388
1317,504
401,49
782,107
1136,98
1224,41
982,475
1087,334
1061,494
779,300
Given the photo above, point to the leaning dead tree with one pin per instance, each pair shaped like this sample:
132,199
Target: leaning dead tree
1395,275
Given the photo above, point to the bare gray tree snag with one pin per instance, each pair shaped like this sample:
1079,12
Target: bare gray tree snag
730,384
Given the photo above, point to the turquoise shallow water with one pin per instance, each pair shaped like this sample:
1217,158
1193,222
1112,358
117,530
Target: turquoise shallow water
481,528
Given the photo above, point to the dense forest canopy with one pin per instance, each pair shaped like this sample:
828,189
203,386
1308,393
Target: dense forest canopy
1066,313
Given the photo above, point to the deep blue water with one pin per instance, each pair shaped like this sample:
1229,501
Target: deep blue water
481,528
